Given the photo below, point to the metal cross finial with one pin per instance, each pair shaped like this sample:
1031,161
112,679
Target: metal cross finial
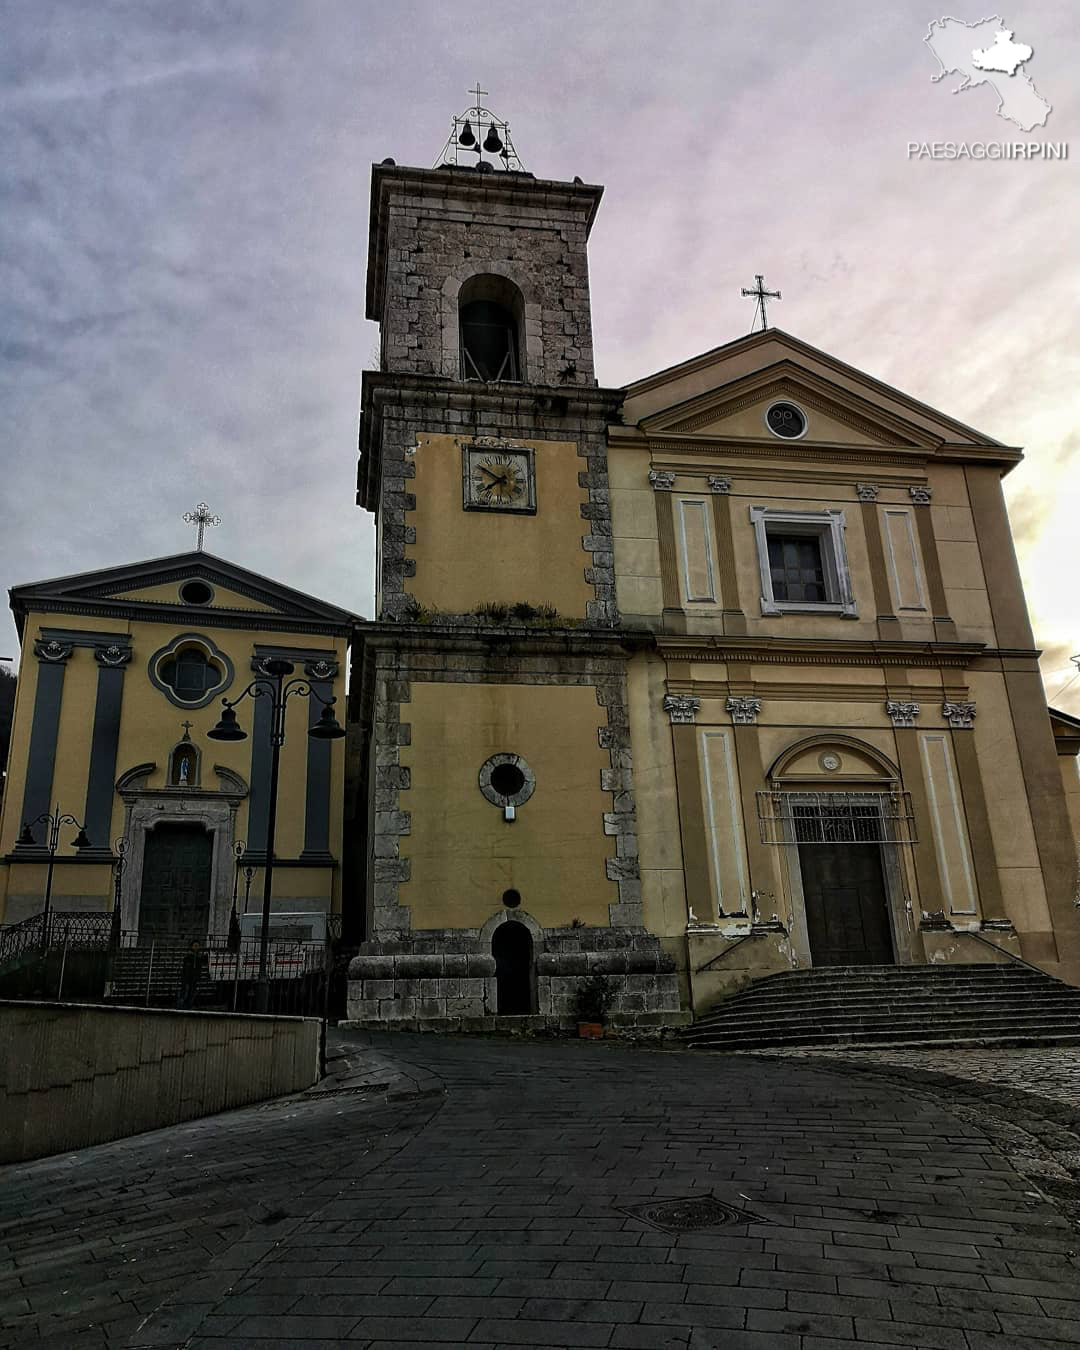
760,295
187,729
201,518
480,93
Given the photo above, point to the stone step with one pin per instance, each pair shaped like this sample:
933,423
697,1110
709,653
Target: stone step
825,1025
905,976
929,1007
989,1024
949,1043
892,1004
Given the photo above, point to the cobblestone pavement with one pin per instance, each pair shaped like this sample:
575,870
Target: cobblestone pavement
452,1192
1027,1101
1052,1073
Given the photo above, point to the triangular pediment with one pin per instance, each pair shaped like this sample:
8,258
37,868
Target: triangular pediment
162,587
724,395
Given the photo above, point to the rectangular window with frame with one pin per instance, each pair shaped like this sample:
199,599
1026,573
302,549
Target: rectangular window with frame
803,562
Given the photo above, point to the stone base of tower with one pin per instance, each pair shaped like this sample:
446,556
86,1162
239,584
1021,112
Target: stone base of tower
448,980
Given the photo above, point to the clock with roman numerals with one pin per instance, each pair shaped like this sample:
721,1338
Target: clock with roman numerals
498,476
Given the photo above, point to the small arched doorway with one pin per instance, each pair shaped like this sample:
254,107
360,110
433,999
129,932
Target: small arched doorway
512,948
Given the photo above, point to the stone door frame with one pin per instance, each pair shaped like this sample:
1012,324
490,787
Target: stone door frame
215,811
897,904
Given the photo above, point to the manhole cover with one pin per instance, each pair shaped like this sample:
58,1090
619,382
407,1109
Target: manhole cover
690,1213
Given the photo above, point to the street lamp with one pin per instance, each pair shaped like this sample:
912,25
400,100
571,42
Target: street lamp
273,684
26,840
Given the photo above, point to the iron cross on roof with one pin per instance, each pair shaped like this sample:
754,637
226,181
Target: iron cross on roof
201,518
760,295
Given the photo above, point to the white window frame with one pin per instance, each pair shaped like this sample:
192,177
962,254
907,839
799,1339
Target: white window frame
828,528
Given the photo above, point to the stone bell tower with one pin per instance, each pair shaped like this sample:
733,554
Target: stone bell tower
501,852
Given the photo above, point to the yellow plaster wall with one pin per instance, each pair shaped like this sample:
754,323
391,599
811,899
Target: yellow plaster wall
466,558
663,889
1070,780
1007,804
18,749
169,594
750,423
462,853
633,523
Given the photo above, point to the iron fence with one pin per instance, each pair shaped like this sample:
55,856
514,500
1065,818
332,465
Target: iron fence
791,817
85,957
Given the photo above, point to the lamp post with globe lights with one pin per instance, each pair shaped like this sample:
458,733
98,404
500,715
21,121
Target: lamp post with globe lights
274,684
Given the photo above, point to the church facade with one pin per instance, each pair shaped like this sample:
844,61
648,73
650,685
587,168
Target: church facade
669,687
123,675
725,673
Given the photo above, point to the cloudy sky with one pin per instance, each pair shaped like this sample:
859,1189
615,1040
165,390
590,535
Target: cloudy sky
183,239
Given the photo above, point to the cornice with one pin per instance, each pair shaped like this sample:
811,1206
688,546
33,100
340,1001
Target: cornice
189,615
748,447
527,642
542,411
815,652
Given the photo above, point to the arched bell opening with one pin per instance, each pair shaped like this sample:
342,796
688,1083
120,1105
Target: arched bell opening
491,325
515,969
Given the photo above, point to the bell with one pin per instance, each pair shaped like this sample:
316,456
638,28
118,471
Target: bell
466,138
492,143
26,839
82,840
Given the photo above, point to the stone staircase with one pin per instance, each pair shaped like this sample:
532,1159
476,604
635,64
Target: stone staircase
896,1007
159,965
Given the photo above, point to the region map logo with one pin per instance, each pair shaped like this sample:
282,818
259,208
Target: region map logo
986,52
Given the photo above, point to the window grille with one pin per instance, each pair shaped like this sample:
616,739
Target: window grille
835,817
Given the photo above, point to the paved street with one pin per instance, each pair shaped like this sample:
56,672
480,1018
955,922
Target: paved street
447,1192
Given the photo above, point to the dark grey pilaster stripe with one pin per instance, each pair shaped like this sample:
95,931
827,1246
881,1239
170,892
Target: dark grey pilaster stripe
259,797
106,735
37,792
317,802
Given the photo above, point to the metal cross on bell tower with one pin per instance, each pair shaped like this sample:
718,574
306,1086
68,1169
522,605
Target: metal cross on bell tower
201,517
760,295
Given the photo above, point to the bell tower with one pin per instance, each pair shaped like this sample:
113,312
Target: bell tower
491,688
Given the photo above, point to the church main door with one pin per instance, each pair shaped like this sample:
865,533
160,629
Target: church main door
512,948
847,916
176,882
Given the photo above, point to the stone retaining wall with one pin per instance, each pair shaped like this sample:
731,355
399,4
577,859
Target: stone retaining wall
73,1075
446,980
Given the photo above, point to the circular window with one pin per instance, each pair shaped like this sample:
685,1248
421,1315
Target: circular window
506,780
786,420
196,593
511,899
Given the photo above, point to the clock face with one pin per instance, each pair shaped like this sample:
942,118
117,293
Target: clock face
499,480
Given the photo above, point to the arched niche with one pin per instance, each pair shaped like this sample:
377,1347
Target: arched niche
184,765
831,757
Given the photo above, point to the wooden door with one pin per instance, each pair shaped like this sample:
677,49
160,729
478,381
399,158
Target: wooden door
847,915
176,882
